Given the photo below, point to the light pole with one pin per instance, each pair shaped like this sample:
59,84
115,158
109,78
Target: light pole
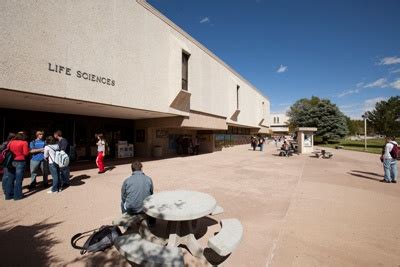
365,117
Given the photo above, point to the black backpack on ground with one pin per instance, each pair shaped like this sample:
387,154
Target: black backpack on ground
100,240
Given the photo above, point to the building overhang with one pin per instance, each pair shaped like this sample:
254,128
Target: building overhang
27,101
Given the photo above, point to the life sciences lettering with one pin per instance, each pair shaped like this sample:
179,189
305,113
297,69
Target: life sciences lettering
81,74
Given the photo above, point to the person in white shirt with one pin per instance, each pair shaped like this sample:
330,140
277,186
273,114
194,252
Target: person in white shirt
50,155
101,150
389,162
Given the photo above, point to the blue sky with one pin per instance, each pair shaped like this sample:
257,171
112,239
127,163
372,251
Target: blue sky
347,51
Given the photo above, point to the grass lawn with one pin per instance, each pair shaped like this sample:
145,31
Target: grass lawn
373,145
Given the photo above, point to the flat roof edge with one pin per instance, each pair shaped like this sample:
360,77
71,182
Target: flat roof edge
157,13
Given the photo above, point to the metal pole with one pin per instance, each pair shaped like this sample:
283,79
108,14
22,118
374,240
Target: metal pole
365,134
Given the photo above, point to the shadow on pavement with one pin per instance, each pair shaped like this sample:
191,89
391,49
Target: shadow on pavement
365,177
27,245
369,173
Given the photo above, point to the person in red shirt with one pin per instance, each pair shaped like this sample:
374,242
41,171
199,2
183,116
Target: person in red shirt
15,174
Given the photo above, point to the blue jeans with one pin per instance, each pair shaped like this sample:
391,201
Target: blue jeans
390,169
13,180
64,175
55,173
34,166
261,147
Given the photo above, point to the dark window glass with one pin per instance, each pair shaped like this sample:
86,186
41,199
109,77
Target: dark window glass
237,97
185,70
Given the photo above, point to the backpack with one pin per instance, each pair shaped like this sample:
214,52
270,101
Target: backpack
61,159
6,157
395,152
99,240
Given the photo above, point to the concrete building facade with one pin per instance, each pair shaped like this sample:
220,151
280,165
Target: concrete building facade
279,123
122,68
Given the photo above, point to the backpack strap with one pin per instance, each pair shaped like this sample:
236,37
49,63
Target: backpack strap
79,236
54,153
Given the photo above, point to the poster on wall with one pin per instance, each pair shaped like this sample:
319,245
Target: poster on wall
307,140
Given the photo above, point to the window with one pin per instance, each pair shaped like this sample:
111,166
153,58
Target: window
185,70
263,110
237,97
277,119
274,120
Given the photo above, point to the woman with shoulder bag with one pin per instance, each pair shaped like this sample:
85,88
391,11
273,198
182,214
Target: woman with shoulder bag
15,173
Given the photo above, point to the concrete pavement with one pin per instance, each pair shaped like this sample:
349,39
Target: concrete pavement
297,211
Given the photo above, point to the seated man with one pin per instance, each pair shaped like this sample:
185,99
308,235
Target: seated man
135,189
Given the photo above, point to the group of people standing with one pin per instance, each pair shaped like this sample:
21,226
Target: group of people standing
43,154
257,141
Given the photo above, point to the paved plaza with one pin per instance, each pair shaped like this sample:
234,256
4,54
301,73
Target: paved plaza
296,211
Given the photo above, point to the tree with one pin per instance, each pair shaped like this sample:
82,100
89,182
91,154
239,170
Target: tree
321,113
385,117
356,126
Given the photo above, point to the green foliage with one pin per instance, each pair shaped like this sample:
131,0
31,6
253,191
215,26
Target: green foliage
356,126
320,113
383,117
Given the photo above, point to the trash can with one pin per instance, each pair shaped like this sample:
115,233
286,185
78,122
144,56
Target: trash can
157,151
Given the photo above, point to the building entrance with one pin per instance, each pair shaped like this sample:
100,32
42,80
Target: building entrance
79,130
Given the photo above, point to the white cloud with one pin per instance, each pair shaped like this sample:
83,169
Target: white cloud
282,69
356,110
395,71
389,60
369,104
360,84
349,92
381,83
396,84
205,20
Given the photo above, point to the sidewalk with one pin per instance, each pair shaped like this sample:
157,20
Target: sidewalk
296,211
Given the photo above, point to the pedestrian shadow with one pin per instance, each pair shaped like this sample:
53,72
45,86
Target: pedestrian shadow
369,173
109,168
78,180
366,177
39,187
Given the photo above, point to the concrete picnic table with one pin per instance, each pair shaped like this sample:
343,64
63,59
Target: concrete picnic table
180,209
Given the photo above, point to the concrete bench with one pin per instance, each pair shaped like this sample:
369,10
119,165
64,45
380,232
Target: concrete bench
317,154
217,210
228,238
145,253
127,220
327,155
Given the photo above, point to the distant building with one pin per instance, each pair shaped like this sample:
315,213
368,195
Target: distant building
279,124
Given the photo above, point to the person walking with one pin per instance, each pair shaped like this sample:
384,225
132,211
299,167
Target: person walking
389,160
101,150
37,161
15,173
254,142
64,146
49,155
261,141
